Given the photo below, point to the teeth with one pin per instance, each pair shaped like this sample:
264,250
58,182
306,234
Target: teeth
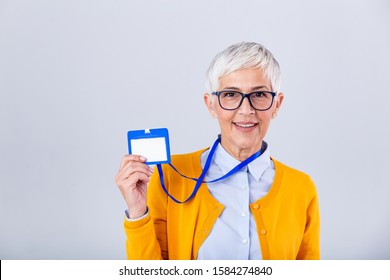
245,125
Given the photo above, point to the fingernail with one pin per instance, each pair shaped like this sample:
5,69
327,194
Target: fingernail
142,158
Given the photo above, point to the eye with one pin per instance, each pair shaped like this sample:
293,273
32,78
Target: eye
258,94
230,94
261,95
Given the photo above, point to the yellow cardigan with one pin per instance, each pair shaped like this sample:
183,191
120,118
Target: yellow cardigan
287,218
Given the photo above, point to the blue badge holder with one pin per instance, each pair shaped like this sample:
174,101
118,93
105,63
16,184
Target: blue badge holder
153,144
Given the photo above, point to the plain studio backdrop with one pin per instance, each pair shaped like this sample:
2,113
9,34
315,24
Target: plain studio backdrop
75,76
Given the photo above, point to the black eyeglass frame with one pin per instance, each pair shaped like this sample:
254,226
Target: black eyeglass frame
244,95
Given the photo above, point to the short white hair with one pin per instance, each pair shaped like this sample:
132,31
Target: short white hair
245,55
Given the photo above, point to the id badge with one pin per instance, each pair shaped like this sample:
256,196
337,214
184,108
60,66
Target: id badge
153,144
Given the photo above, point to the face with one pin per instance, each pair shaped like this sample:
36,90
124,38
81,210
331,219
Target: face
243,129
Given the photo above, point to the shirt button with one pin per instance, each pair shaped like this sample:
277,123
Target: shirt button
244,242
243,187
263,231
243,214
256,206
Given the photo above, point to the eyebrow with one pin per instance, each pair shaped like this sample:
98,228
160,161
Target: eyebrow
252,89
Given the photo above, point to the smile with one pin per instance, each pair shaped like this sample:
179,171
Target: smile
245,125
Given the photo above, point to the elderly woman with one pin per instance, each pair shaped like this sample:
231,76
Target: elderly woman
248,205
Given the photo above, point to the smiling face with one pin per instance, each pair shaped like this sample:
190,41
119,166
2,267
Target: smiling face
243,129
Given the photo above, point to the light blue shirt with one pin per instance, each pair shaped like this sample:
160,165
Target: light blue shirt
234,234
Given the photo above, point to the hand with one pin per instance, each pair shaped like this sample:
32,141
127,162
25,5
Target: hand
132,179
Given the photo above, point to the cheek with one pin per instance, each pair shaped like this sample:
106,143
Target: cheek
265,115
223,121
224,115
264,118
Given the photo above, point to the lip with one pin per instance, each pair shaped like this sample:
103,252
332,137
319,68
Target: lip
245,126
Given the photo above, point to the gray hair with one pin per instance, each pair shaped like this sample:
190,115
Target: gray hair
243,56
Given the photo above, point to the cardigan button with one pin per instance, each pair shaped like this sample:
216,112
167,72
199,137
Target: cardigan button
256,206
263,231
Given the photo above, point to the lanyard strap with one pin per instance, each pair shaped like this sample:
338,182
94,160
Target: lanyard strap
206,167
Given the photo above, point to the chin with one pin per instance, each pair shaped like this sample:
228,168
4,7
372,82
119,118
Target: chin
246,143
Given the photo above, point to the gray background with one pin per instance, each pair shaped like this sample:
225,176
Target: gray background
75,76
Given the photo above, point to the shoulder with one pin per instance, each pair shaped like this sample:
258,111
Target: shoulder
183,159
188,164
295,178
290,170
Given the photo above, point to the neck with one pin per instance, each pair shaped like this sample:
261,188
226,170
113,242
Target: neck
239,153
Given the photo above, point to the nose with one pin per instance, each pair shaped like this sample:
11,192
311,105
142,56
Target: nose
246,107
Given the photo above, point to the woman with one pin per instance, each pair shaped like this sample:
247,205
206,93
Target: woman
263,209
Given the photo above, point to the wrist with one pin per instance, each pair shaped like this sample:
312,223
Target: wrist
136,213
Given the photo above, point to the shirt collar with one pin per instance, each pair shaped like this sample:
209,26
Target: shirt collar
256,168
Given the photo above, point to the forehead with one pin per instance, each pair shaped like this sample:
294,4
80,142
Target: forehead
245,79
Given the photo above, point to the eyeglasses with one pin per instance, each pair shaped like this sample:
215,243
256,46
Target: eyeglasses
259,100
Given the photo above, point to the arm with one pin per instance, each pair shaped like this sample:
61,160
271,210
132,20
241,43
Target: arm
141,243
310,246
147,238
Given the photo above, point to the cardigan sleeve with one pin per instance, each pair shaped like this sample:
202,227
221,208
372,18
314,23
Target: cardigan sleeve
310,246
147,237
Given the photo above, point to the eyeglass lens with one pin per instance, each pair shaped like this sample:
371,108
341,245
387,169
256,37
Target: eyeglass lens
230,100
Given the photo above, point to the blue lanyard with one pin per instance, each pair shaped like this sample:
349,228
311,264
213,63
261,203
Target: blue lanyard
199,181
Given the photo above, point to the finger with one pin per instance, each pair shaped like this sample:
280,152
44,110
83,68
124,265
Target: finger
132,168
128,158
136,179
137,183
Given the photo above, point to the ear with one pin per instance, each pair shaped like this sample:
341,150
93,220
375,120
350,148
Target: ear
278,103
208,100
